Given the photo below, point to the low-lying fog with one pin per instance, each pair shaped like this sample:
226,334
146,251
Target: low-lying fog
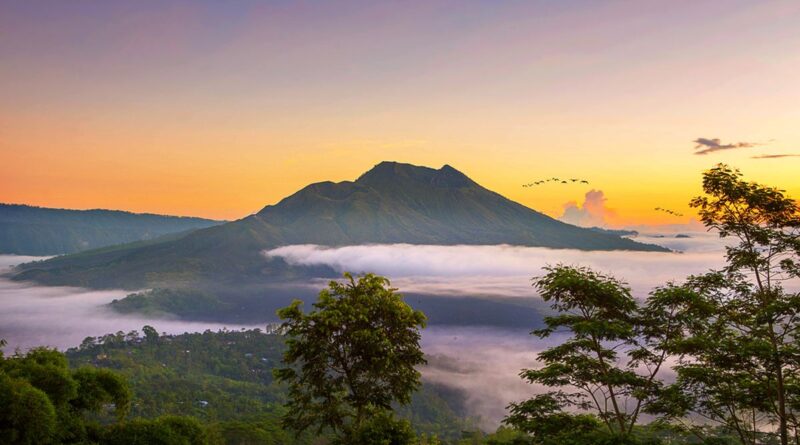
62,317
482,361
506,271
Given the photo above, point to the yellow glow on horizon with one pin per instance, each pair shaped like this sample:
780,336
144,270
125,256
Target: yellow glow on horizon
181,120
188,174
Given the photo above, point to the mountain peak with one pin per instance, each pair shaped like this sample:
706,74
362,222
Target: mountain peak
393,168
398,173
449,176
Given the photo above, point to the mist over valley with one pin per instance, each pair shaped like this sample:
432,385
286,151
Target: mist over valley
479,300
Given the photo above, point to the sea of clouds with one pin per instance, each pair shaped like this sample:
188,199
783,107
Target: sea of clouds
506,271
483,362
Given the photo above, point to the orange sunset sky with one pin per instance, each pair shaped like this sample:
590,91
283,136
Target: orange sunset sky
216,109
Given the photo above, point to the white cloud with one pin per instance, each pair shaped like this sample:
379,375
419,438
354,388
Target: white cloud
592,213
504,271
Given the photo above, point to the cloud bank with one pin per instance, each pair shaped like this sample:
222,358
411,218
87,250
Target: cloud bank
505,271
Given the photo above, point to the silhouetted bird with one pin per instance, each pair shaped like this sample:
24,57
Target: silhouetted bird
668,211
556,180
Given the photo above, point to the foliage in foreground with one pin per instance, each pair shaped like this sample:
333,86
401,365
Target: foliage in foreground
350,359
733,334
43,401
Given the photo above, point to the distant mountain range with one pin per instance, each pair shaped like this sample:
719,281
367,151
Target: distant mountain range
391,203
27,230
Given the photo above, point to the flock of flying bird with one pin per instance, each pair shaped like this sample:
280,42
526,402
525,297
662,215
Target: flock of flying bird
556,180
671,212
583,181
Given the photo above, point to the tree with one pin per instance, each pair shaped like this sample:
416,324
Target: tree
166,430
740,357
381,429
26,414
734,332
351,357
150,333
43,401
613,355
543,419
97,387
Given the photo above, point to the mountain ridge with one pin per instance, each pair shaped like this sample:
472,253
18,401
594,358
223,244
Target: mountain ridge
402,203
390,203
33,230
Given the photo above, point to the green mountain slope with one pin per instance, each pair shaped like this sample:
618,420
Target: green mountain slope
402,203
27,230
224,256
392,203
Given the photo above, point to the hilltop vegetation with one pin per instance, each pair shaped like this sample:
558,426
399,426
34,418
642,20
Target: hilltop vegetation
205,388
224,379
28,230
183,303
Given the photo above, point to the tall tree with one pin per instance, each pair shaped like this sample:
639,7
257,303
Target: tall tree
741,359
610,360
351,357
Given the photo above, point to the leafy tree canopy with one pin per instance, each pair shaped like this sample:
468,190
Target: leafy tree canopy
351,357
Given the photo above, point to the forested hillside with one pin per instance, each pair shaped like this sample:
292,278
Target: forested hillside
224,379
28,230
